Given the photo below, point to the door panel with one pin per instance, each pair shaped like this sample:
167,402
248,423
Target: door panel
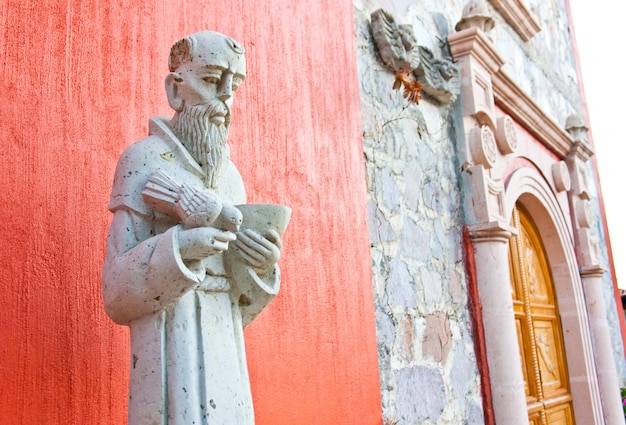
560,416
548,351
542,353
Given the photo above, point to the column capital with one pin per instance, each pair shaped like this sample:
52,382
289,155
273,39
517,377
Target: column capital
594,270
493,231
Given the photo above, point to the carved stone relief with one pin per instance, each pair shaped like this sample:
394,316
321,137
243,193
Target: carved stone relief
584,215
588,251
580,186
488,195
483,146
506,135
400,52
475,15
575,126
495,200
561,177
578,156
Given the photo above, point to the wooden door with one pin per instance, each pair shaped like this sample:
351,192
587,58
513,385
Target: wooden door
539,331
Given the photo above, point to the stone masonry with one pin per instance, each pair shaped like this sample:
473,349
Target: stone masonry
428,369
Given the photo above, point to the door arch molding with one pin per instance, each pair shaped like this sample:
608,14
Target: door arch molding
526,186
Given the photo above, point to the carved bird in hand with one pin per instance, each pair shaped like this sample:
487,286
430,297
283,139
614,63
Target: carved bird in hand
199,208
194,207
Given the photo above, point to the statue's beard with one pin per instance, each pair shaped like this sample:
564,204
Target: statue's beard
204,139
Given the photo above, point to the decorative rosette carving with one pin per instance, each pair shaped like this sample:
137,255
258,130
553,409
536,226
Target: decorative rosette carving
506,135
561,177
483,146
584,215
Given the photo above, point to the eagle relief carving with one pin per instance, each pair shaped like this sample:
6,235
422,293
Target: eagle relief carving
399,51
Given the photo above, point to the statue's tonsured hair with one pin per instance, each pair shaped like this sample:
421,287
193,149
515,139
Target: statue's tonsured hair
184,50
180,53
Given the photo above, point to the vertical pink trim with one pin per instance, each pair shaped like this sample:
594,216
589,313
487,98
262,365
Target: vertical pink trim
476,316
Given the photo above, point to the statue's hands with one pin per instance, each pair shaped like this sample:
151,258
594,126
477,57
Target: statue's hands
201,242
258,252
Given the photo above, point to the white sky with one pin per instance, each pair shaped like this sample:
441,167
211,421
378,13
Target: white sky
599,30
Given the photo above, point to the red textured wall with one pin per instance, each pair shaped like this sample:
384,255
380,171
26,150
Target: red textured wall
79,80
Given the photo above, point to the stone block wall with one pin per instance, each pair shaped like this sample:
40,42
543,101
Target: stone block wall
426,353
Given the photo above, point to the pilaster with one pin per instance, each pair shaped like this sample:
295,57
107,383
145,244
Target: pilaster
486,140
490,242
592,271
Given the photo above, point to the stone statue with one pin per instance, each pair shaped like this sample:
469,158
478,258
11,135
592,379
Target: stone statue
187,266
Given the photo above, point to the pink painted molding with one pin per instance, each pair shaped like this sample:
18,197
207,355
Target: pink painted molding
518,17
519,105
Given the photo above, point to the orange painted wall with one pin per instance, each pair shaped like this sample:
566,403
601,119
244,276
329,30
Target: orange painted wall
79,80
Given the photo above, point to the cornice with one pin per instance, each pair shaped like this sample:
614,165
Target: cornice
581,150
474,42
518,17
515,102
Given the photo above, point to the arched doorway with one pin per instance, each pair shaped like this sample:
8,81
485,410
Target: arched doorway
539,330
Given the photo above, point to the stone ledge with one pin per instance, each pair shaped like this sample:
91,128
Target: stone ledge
518,17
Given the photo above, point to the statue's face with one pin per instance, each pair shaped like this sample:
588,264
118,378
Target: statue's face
215,72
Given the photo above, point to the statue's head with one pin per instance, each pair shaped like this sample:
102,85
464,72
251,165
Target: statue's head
205,70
